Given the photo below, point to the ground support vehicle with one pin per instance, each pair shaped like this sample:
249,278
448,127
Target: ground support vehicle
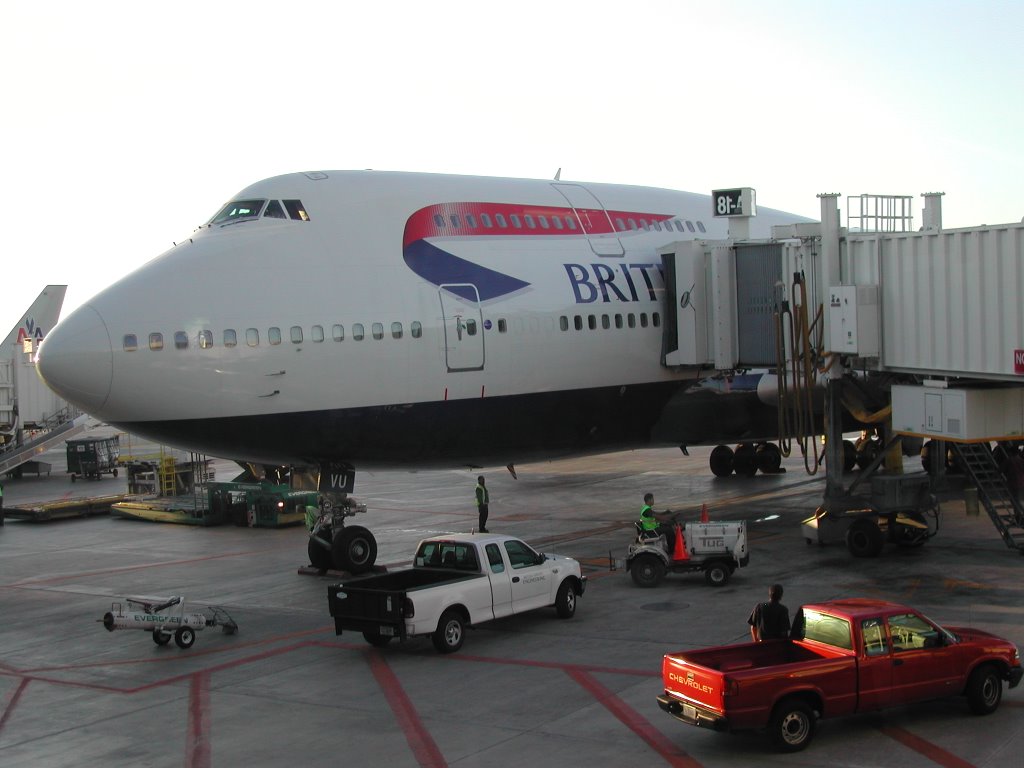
165,617
332,544
716,548
844,657
902,511
456,582
92,457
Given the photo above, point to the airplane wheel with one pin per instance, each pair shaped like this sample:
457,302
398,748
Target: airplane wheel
320,557
769,457
161,638
354,549
185,637
745,460
721,461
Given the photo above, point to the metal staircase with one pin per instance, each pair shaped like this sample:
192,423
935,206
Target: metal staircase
59,429
1002,506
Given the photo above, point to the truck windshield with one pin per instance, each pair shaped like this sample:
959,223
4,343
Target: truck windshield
822,628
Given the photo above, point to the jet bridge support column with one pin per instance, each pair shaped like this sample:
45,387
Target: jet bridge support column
830,275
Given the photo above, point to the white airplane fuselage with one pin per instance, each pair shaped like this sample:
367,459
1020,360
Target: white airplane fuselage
420,319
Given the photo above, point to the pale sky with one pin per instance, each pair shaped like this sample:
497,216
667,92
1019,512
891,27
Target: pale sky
125,125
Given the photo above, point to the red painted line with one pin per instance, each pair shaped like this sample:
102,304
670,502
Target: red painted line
423,746
12,702
925,748
197,746
633,720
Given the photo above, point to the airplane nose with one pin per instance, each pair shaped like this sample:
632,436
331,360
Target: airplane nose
76,360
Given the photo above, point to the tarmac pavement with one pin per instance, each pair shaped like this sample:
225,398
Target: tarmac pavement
528,690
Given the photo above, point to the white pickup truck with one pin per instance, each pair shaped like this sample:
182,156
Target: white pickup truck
456,581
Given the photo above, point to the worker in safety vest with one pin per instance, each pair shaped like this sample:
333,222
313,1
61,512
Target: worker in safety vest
483,498
659,522
312,514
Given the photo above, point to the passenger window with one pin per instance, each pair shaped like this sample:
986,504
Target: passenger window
130,342
529,221
416,329
875,642
396,330
618,321
656,225
378,331
592,322
557,221
500,220
563,323
317,332
296,334
700,226
514,218
632,223
455,220
494,558
471,327
656,319
620,224
230,337
357,332
577,322
631,320
252,337
502,325
338,332
570,223
274,335
689,226
543,220
485,219
296,210
470,221
679,225
606,322
180,340
205,339
643,319
156,341
274,211
439,221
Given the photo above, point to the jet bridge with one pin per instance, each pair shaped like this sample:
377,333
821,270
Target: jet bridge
936,312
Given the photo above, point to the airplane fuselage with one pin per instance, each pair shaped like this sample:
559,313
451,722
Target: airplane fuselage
394,319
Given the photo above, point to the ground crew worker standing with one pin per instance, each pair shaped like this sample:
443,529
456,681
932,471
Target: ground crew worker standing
483,498
770,621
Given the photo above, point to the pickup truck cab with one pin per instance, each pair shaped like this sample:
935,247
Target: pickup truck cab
456,581
843,656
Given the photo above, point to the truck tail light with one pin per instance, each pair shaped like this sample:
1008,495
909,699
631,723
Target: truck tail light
731,688
408,609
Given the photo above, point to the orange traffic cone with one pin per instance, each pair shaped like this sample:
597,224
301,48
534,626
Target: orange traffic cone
704,513
679,551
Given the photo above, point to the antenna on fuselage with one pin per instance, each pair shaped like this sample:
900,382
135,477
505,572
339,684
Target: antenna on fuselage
558,175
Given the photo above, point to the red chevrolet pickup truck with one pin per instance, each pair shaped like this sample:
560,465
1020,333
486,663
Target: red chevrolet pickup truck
843,656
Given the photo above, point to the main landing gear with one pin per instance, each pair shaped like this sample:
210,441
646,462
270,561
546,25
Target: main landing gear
746,459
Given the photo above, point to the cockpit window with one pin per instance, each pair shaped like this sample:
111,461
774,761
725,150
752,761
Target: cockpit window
274,211
296,209
237,210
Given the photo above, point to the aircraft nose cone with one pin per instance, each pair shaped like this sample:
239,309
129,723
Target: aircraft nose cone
76,361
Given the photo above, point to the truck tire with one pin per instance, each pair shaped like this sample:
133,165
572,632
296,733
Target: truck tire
864,539
717,573
376,639
354,549
984,690
185,637
565,600
647,570
319,556
450,632
792,725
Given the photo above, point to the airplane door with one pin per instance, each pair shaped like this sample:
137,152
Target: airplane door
463,327
593,218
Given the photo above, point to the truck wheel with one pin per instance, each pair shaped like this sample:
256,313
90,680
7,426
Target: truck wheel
864,539
984,690
792,725
717,573
320,556
160,637
354,549
375,639
185,637
450,632
721,461
647,570
565,600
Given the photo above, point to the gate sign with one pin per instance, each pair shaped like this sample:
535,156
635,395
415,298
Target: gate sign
733,202
1018,361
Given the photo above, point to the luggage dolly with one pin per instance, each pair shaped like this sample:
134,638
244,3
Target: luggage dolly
165,617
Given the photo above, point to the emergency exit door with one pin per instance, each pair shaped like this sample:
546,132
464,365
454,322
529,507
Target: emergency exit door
463,327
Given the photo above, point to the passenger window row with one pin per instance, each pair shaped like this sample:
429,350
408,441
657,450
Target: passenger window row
628,320
317,334
555,222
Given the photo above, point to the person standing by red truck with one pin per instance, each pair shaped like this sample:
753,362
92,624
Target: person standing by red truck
770,621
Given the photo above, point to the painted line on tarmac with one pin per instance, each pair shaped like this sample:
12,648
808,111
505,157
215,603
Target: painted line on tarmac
12,702
422,744
197,742
633,720
925,748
